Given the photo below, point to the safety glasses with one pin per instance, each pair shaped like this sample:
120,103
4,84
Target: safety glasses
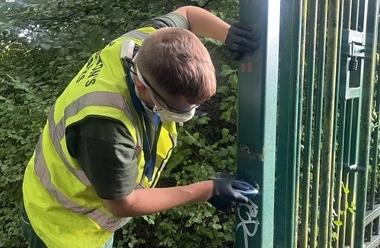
157,99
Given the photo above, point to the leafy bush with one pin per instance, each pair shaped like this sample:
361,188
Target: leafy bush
43,44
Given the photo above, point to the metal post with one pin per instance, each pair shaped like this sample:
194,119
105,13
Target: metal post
318,121
365,127
258,82
328,123
289,132
340,130
311,58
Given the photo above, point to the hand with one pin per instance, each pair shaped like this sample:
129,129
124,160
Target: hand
228,190
241,39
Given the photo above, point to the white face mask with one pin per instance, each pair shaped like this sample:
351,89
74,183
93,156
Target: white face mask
161,109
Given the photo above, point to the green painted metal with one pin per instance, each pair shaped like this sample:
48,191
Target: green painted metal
373,206
258,82
301,83
313,145
287,171
365,127
318,125
328,123
305,166
339,177
352,164
339,139
346,171
344,127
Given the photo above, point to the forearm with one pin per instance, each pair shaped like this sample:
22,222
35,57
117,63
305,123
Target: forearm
148,201
204,23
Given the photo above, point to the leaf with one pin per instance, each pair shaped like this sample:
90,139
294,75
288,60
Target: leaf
227,70
334,236
346,190
45,46
352,210
338,222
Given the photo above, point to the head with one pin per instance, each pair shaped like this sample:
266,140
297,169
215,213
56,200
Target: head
176,69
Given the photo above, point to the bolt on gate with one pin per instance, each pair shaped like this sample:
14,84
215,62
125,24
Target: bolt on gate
308,127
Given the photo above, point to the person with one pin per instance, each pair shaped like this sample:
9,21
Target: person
110,133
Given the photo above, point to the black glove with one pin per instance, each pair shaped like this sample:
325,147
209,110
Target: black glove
228,190
241,39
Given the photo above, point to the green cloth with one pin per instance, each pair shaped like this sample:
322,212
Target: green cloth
106,152
173,19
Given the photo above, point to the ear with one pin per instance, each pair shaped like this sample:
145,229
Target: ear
139,85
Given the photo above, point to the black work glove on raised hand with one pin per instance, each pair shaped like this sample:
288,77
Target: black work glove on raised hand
241,39
226,191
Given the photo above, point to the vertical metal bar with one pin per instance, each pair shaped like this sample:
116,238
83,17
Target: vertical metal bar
258,82
377,166
373,163
328,123
301,93
342,236
366,112
346,161
374,149
355,14
332,174
372,229
362,15
347,14
351,160
344,141
339,124
339,164
312,27
318,126
287,165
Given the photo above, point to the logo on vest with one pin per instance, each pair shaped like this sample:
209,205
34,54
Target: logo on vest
91,70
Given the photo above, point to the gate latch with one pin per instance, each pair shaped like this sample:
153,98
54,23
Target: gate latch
353,47
352,63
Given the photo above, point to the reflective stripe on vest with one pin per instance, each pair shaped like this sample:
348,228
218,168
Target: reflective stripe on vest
57,131
102,218
56,135
57,194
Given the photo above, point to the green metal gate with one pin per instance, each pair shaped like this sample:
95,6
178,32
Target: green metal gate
308,129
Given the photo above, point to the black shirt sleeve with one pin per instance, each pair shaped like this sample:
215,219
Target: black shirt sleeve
173,19
106,152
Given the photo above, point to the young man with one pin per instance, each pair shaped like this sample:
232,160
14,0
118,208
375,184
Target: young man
110,133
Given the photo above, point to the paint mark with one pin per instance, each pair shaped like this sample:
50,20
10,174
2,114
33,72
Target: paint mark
248,151
246,67
249,223
243,67
249,67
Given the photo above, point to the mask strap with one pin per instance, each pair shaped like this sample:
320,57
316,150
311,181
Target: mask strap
149,153
150,165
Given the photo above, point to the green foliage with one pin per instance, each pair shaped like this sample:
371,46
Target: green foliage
42,45
202,150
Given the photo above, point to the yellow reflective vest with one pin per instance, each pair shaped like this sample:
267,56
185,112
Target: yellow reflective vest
62,205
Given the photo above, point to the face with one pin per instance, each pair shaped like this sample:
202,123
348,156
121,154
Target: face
170,108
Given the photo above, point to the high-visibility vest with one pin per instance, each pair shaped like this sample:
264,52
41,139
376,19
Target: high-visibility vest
62,205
